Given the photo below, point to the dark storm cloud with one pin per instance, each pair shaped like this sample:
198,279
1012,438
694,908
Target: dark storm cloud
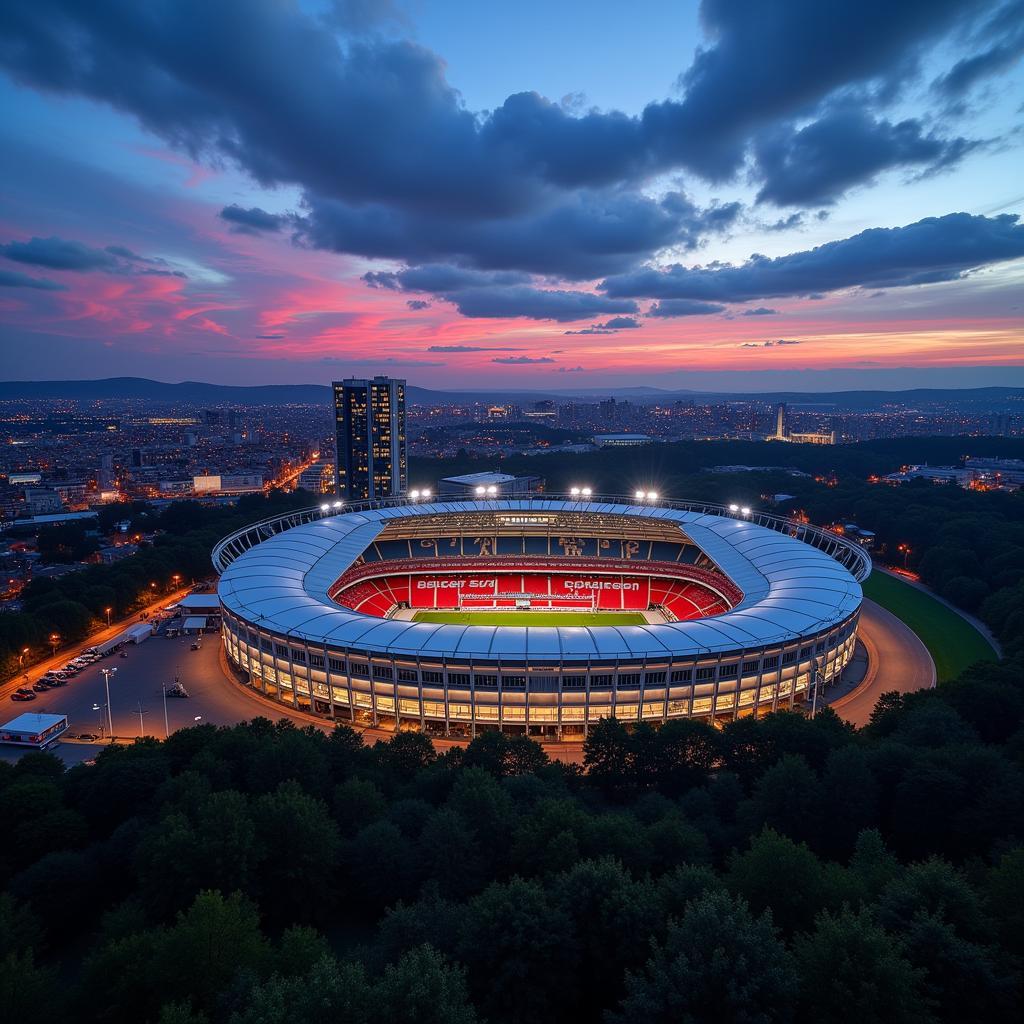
15,279
683,307
845,147
252,220
930,250
59,254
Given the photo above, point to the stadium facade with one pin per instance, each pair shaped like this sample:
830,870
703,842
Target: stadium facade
729,612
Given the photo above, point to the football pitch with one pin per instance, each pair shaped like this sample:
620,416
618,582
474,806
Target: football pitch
531,618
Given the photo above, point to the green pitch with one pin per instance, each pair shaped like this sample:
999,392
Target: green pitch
532,618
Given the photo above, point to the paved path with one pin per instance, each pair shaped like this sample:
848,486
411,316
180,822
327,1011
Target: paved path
897,660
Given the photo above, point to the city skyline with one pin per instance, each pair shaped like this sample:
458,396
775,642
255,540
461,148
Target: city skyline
525,199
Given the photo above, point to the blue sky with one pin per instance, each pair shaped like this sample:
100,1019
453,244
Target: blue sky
259,191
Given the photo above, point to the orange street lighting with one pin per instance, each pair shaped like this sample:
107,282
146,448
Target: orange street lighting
108,611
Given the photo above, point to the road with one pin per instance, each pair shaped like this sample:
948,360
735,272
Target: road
897,660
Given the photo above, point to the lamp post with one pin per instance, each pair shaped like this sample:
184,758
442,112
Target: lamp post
99,708
174,579
905,548
21,657
108,611
167,728
54,640
107,672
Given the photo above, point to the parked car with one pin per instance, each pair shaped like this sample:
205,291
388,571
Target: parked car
196,645
23,694
41,687
88,736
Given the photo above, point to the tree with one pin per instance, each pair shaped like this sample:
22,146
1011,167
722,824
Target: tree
785,877
298,837
853,972
520,950
423,988
608,757
717,963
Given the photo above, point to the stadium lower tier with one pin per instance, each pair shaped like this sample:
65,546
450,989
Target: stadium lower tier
681,592
558,700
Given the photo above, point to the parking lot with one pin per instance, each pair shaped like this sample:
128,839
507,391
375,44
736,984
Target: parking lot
137,683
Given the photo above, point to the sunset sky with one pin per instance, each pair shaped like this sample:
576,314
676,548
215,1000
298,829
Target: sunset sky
744,194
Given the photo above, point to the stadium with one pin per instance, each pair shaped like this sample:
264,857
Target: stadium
537,616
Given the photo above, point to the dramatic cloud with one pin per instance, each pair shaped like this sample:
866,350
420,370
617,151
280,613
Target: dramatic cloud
392,165
683,307
760,311
844,148
58,254
931,250
417,304
536,303
477,293
14,279
522,360
252,221
584,235
612,326
1004,36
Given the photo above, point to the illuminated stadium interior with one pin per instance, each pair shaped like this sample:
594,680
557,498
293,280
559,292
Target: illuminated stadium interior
537,615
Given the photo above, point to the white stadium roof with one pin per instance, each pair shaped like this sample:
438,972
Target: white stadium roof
790,589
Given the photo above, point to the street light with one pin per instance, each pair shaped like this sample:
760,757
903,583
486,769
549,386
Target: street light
108,611
175,580
905,548
100,707
21,657
107,672
54,640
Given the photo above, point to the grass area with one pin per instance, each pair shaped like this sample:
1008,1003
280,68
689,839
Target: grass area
951,640
532,618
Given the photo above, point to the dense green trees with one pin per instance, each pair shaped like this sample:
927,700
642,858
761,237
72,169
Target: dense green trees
785,869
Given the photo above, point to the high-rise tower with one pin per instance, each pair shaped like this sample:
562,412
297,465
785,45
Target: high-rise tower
372,459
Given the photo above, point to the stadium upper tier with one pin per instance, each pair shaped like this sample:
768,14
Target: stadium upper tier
279,577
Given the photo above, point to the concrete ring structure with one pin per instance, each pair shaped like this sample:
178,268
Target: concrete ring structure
780,623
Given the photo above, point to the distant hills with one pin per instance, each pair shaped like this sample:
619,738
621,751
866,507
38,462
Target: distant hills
200,393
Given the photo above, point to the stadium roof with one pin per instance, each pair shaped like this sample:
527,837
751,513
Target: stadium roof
790,590
484,477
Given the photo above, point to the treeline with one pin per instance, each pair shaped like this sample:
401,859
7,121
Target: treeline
74,604
777,870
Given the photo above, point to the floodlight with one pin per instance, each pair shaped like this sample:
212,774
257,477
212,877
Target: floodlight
586,492
639,495
415,495
339,504
574,491
325,507
734,508
481,491
492,490
745,511
652,495
425,493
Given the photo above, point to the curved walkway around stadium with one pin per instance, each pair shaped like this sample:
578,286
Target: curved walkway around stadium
897,660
